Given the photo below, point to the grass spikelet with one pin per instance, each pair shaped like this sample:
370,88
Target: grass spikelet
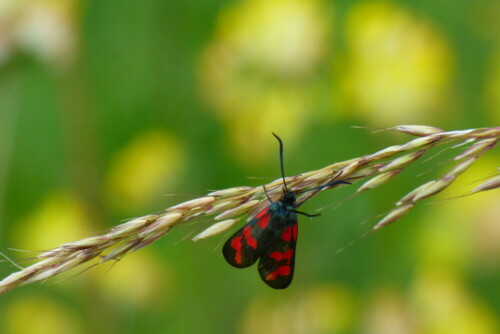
215,229
230,205
394,215
379,180
494,183
418,130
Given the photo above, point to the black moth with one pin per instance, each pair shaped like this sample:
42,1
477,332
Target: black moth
271,236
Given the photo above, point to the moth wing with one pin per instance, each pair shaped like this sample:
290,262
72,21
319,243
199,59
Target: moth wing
245,246
277,261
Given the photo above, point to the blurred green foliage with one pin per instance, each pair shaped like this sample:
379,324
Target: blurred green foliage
107,106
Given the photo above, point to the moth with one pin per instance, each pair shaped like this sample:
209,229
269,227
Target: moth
271,236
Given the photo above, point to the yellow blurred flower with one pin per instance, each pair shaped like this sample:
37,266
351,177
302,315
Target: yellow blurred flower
279,111
278,36
398,67
443,305
144,170
485,234
38,315
60,218
388,313
324,309
480,213
444,240
258,72
141,279
455,237
460,233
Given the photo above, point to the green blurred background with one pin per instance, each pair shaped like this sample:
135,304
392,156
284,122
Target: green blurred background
108,106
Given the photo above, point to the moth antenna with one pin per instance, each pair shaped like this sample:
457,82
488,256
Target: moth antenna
281,161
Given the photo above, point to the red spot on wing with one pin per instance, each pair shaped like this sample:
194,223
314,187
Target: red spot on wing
295,231
262,213
264,221
290,232
236,244
281,271
263,218
250,241
287,234
278,256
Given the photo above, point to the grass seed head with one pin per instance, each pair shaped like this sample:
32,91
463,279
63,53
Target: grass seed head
379,180
193,204
162,223
215,229
434,188
394,215
121,250
477,148
493,183
230,192
230,203
238,210
131,226
418,130
421,142
461,167
402,161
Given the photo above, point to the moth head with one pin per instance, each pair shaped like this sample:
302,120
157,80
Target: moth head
288,198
